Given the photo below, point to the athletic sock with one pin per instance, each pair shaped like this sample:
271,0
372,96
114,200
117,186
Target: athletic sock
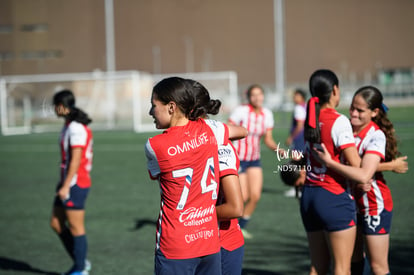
67,240
80,247
243,222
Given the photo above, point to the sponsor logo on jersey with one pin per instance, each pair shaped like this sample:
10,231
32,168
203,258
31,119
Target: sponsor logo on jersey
188,145
197,216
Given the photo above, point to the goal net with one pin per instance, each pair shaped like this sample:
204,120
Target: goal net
114,100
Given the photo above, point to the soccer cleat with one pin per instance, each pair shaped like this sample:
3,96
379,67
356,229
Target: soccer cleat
290,193
88,265
246,234
71,272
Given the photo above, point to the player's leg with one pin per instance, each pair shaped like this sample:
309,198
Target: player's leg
342,244
358,257
164,266
337,213
255,184
244,189
319,253
232,261
244,186
76,222
378,247
210,264
75,213
58,224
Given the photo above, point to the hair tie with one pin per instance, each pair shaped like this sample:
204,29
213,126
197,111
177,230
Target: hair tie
312,114
384,107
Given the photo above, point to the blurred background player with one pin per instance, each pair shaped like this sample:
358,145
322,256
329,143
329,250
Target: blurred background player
258,120
296,139
68,213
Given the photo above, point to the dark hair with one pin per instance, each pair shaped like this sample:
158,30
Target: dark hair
191,97
203,104
291,173
321,85
300,92
251,88
67,99
374,100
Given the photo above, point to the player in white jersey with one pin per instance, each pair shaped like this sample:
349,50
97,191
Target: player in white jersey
259,123
375,140
69,206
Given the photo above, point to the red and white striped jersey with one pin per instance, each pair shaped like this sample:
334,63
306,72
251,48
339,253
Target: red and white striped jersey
336,134
231,236
184,159
371,140
257,124
73,135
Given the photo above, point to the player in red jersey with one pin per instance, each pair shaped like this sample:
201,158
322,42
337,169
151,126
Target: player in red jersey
259,123
69,206
229,205
231,237
375,140
327,208
184,159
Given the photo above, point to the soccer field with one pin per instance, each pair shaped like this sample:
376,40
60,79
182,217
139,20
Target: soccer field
123,206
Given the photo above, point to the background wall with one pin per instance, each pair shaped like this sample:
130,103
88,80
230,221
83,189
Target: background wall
354,38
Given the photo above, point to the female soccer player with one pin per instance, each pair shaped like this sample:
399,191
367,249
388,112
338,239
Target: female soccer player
230,200
328,210
258,121
68,213
229,205
296,139
184,159
375,140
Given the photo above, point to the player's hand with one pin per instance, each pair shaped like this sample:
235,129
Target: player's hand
365,187
400,165
289,141
280,151
321,154
63,193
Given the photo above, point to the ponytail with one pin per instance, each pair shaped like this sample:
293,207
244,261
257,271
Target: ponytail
312,131
321,84
203,104
67,99
78,115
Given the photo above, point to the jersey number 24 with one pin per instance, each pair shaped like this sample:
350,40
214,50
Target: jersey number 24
187,173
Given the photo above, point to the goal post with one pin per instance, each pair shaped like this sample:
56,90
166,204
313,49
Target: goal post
114,100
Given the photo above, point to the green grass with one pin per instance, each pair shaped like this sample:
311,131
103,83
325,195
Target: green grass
123,207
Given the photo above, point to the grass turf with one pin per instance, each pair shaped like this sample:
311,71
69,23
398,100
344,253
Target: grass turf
123,205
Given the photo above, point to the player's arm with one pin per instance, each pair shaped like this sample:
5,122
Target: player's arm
75,160
269,140
300,124
236,132
398,165
351,156
361,175
233,206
